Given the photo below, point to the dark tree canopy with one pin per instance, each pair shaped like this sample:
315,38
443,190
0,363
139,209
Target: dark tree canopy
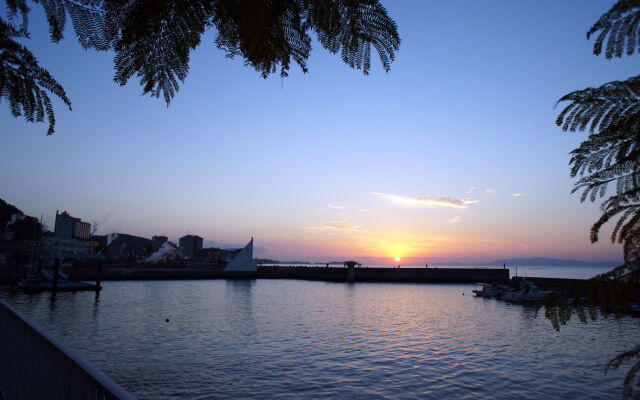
23,82
153,39
611,115
610,155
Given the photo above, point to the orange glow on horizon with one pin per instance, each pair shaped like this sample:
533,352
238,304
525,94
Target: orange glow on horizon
380,245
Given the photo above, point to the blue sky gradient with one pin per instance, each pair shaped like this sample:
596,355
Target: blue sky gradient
303,164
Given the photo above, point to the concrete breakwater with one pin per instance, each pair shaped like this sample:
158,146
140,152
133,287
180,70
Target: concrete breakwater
407,275
555,284
334,274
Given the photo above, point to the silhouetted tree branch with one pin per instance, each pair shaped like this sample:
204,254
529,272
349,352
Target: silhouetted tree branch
153,39
620,27
610,155
23,83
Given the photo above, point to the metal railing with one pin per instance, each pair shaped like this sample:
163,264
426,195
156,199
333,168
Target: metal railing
35,365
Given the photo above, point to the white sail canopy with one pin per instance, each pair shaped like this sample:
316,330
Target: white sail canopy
243,261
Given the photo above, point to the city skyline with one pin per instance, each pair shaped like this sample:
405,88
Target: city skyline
453,155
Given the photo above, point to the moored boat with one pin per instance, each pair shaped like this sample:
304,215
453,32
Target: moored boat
528,292
488,290
518,291
45,281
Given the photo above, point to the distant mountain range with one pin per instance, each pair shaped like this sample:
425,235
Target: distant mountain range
543,262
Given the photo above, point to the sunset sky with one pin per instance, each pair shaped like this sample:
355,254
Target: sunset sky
452,156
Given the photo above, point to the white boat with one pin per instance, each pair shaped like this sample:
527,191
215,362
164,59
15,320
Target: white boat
528,292
523,292
488,290
45,282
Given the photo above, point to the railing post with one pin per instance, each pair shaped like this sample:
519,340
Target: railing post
35,364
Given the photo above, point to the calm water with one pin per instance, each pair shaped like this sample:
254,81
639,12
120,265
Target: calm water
293,339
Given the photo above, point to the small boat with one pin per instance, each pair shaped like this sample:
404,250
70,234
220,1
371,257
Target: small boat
518,291
488,290
527,292
44,281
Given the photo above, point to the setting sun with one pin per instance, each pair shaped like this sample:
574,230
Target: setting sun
397,258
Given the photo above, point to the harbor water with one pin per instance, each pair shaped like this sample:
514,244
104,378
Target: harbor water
300,339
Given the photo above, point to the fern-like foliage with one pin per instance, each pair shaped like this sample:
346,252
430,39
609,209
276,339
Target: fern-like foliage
266,36
348,27
620,28
87,17
153,39
23,83
612,293
628,381
610,155
351,28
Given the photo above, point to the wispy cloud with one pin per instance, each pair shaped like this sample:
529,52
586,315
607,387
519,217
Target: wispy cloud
455,220
338,206
427,201
334,226
343,226
489,190
363,210
471,190
517,194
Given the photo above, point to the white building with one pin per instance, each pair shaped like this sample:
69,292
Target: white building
243,261
52,245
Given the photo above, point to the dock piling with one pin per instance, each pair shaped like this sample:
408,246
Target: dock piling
56,269
98,275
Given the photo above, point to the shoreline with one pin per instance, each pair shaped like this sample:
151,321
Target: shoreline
143,272
331,274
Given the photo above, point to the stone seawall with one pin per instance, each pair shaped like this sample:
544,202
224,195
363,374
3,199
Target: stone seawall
449,275
335,274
